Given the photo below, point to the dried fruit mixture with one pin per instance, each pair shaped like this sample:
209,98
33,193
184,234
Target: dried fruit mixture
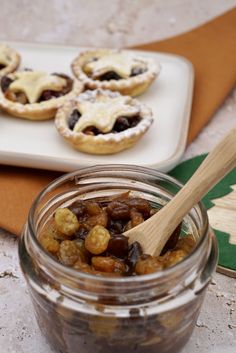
88,236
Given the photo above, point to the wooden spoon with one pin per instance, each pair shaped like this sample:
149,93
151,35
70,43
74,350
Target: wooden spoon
154,232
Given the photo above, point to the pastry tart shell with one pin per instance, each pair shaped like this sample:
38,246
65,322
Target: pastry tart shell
14,62
131,86
102,144
39,111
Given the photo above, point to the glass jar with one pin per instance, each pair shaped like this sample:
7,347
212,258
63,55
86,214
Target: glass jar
84,313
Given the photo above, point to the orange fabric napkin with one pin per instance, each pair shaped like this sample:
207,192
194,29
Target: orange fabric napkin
212,50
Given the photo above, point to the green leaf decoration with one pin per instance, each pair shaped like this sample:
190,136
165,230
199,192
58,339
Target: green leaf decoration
185,170
227,251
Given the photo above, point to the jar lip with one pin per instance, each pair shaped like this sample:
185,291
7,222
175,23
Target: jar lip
56,265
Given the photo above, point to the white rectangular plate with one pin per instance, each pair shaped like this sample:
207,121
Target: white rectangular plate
38,144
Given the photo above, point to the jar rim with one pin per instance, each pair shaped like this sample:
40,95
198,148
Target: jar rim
56,265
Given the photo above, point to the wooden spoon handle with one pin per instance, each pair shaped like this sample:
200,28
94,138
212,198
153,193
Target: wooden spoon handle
221,160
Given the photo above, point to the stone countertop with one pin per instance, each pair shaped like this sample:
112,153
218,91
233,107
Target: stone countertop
96,23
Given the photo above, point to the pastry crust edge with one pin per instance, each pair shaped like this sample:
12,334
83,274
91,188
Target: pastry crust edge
132,86
39,111
102,144
15,62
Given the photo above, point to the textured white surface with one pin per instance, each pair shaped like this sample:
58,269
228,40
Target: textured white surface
116,23
105,22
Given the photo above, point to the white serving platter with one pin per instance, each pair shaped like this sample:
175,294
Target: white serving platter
38,144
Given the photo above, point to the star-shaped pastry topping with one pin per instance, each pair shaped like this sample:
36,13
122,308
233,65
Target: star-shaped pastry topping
33,83
4,55
103,114
120,63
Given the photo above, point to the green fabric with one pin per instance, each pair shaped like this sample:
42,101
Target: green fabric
227,251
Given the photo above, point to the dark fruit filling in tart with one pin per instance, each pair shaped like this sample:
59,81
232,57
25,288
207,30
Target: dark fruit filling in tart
114,66
111,75
122,123
47,94
5,83
74,117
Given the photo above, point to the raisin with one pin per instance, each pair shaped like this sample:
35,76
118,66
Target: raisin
91,130
66,222
18,97
135,120
78,208
134,253
111,75
5,83
93,208
74,117
68,252
2,66
49,94
97,240
118,246
108,264
121,124
137,71
81,233
128,226
84,255
99,219
81,266
172,257
148,265
118,210
187,244
52,231
116,226
172,241
140,205
136,217
49,243
10,95
21,98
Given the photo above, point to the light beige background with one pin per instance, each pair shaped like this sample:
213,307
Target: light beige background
112,23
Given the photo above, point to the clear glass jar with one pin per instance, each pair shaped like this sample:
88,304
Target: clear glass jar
84,313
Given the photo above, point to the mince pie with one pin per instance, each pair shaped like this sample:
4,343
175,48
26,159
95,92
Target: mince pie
36,95
115,70
9,60
102,121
